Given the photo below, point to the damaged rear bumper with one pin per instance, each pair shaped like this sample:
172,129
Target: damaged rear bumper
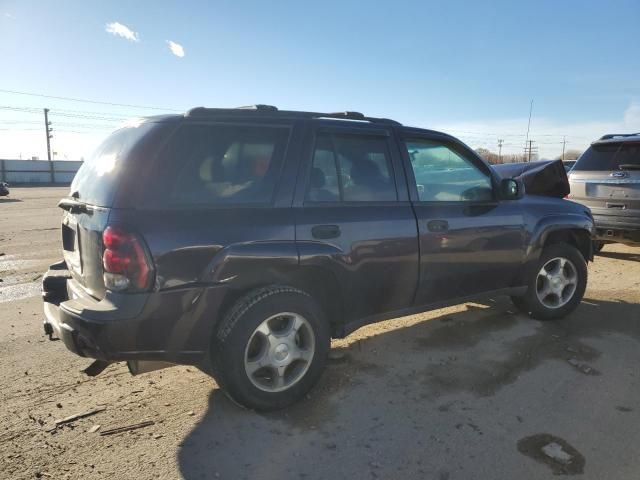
171,326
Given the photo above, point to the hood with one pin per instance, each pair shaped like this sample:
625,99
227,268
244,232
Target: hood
548,178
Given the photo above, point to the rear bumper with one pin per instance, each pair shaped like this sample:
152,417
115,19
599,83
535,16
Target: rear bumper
617,228
170,326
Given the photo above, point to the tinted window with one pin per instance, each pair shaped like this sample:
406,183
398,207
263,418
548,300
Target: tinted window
351,168
610,156
444,174
97,179
323,181
225,164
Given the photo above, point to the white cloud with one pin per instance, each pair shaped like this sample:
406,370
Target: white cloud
176,48
120,30
546,133
8,15
632,116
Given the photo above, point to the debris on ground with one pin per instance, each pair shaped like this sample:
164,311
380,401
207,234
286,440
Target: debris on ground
127,428
581,367
78,416
554,451
94,429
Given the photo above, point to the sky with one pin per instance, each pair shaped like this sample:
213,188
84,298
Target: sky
467,68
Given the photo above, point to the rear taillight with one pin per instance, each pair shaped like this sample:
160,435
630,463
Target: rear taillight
125,262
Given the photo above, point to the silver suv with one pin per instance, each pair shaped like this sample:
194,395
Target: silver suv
606,178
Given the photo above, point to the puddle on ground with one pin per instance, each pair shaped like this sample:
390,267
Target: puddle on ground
556,453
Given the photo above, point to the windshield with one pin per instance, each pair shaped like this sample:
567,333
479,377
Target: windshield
97,179
610,156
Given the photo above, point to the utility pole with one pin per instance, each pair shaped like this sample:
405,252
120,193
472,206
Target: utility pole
530,150
500,141
564,142
529,124
48,130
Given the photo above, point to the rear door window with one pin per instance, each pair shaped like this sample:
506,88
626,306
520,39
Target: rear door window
610,156
223,164
351,168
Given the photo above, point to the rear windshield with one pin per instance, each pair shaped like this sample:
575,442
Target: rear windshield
97,179
224,164
610,156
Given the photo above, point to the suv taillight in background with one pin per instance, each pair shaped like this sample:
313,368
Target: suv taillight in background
125,262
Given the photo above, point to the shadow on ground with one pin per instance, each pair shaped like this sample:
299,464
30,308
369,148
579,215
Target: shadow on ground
633,257
9,200
399,402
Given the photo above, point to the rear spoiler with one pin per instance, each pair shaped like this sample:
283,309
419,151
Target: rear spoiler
548,178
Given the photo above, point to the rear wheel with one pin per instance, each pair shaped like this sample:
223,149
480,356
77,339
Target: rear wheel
271,348
556,284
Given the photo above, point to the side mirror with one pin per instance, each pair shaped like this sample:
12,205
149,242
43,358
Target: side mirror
511,189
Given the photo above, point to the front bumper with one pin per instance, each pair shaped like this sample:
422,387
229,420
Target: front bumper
170,326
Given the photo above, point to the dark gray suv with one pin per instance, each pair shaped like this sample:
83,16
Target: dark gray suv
242,240
606,178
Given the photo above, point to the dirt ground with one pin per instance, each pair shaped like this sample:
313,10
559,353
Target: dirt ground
469,392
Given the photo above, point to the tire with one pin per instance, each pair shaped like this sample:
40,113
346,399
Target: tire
597,246
543,309
242,344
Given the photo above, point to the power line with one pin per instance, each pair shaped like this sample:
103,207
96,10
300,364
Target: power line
61,111
96,102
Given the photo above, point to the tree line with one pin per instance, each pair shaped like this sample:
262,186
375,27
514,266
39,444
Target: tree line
493,158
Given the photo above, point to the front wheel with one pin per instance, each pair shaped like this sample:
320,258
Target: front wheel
271,348
556,284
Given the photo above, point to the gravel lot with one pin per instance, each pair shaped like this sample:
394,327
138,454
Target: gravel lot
473,391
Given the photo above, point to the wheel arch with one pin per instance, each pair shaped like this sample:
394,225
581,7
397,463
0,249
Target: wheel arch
579,238
575,230
316,282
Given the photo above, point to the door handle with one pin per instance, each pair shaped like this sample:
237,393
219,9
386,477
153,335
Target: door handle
438,226
325,231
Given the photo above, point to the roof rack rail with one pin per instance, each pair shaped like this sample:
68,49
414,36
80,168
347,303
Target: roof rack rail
270,109
260,107
354,116
200,111
616,135
347,114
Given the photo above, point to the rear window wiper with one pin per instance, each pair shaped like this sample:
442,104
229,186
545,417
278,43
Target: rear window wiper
74,206
629,166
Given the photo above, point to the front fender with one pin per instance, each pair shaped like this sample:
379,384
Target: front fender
557,223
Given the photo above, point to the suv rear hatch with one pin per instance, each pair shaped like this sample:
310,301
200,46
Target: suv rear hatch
107,181
606,178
